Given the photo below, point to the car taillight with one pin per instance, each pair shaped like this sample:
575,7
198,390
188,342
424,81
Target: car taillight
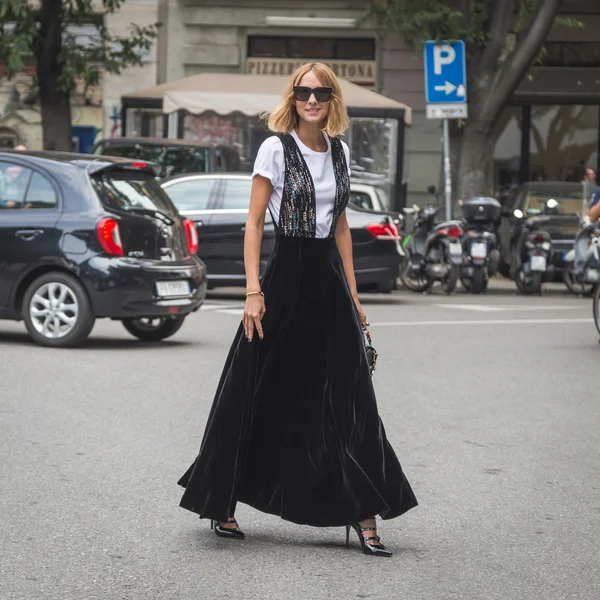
139,165
384,231
192,236
109,236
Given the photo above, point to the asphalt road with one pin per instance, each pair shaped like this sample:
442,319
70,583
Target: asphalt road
491,403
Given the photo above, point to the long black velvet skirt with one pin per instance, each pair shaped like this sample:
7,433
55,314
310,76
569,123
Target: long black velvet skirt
294,429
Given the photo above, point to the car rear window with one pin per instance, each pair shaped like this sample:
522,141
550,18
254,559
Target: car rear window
172,159
554,201
131,190
361,200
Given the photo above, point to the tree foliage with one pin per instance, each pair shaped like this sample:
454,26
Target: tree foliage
504,39
20,22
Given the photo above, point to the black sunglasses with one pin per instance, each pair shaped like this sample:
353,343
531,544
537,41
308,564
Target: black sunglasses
322,94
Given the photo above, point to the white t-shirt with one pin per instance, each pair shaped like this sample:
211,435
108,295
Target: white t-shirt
270,164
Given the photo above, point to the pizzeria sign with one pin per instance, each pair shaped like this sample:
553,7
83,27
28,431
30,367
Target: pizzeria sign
356,71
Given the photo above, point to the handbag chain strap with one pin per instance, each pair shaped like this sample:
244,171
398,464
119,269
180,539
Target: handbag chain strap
366,332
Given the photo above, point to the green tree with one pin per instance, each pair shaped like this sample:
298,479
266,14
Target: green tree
45,31
504,39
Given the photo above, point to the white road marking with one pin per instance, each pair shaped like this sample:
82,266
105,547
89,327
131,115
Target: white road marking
482,322
238,312
509,307
219,307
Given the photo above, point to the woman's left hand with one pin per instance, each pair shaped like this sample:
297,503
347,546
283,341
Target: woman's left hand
361,313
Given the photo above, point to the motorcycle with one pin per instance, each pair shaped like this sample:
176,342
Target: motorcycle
533,255
433,252
481,255
581,262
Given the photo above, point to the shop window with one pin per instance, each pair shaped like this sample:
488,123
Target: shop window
507,151
360,49
306,47
572,54
564,142
267,47
372,143
146,123
312,48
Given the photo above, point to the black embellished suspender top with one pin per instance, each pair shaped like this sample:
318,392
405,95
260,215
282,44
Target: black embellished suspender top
310,189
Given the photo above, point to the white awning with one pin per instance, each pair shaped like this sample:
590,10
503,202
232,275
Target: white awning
225,93
222,103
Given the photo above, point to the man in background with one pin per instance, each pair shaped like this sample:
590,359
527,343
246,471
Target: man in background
13,183
594,211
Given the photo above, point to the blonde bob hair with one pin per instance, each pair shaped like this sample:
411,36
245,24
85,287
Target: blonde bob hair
285,117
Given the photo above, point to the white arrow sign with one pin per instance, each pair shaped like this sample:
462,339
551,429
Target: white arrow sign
447,87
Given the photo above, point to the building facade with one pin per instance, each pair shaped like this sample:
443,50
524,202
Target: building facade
549,129
94,112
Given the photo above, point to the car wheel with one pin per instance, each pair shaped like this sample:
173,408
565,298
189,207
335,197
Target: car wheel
153,329
387,286
57,311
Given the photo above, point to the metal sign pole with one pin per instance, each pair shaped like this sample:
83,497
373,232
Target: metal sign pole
446,95
447,170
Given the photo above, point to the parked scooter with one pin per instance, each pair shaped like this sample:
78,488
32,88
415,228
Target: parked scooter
480,243
433,252
533,255
581,263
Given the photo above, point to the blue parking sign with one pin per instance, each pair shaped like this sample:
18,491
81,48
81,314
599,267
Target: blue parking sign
445,73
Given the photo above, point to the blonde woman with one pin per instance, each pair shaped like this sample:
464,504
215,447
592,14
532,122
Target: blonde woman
294,429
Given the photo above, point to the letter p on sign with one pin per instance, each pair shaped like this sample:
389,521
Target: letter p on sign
442,55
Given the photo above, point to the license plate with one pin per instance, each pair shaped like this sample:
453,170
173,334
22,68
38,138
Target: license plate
538,263
478,250
172,288
455,249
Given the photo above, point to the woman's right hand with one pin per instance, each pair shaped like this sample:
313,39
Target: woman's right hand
254,310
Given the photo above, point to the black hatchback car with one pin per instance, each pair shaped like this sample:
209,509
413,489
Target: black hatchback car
84,237
218,204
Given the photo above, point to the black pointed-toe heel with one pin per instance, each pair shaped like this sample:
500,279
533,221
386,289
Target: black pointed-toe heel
233,533
373,549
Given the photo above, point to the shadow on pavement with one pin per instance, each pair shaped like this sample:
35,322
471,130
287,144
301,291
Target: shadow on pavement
94,343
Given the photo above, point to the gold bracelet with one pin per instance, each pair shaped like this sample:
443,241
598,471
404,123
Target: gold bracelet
255,294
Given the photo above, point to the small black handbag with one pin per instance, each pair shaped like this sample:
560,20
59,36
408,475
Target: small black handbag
369,350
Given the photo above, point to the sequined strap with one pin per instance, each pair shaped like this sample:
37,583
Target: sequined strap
342,181
298,212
